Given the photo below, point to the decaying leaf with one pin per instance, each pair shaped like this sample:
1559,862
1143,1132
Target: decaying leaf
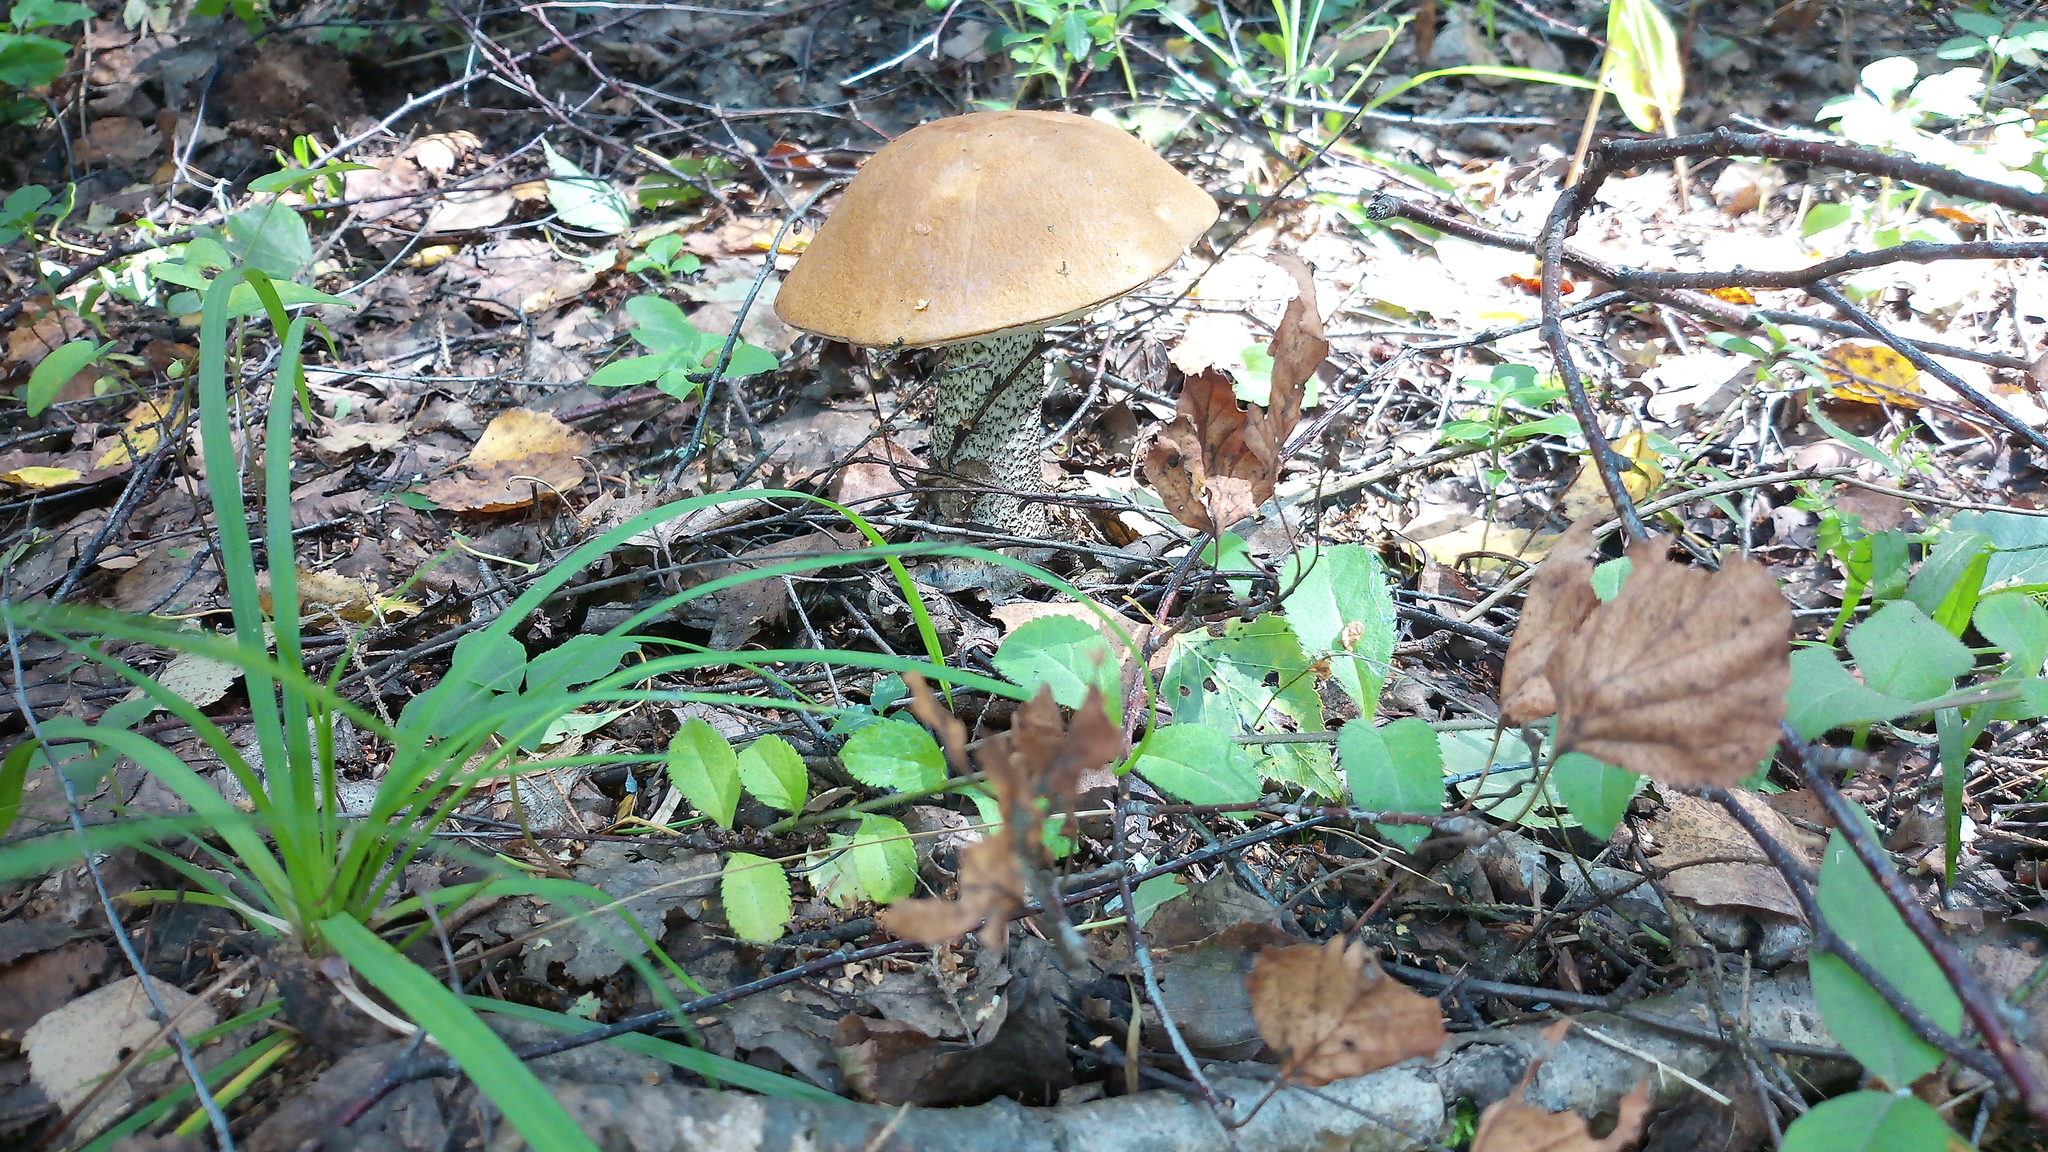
1871,373
521,457
991,888
1332,1013
1513,1125
924,704
1041,757
1691,829
1559,600
1682,676
1215,463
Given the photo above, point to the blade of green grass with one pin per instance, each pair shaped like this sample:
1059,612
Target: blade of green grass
510,1084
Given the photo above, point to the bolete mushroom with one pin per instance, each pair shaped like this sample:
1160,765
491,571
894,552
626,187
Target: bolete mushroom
973,234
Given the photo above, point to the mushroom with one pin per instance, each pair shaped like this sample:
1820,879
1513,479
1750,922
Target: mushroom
973,234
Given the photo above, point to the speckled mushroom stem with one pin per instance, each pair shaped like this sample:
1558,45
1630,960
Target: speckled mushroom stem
986,431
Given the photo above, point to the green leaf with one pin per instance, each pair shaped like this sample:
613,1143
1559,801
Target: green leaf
29,15
1395,768
775,774
2018,625
1066,655
1859,912
2022,543
755,892
511,1085
1824,696
577,661
1609,576
1150,894
631,370
1197,765
55,371
270,238
583,200
709,1065
895,754
1338,604
884,859
1902,653
1254,679
13,777
490,660
31,61
1951,576
660,325
1597,793
703,768
747,360
1869,1122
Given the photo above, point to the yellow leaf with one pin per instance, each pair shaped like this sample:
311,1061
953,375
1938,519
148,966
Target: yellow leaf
39,477
1587,497
138,436
1643,68
1872,374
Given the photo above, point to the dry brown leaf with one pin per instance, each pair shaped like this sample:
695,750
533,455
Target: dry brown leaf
121,139
1692,829
438,154
991,888
1215,462
1040,757
341,439
1682,676
521,457
1332,1013
1559,600
1299,346
924,704
28,343
1512,1125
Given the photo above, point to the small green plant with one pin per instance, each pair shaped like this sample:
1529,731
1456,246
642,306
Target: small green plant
1987,34
29,59
28,204
1894,106
664,256
678,357
1052,38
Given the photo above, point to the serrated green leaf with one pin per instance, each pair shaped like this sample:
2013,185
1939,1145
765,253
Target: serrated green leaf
1066,655
1597,793
895,754
774,772
755,892
702,766
1338,604
1395,768
1824,696
884,859
1903,654
1869,1122
1253,679
1198,765
1859,912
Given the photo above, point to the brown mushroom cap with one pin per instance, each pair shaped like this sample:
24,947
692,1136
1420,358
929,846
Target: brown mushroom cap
990,222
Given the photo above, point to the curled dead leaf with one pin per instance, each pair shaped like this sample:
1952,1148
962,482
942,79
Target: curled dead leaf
1215,462
991,888
1682,676
1513,1125
1559,600
1332,1013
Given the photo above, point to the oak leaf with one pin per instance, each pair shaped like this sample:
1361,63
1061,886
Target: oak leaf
1559,600
1514,1125
1682,676
1332,1013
